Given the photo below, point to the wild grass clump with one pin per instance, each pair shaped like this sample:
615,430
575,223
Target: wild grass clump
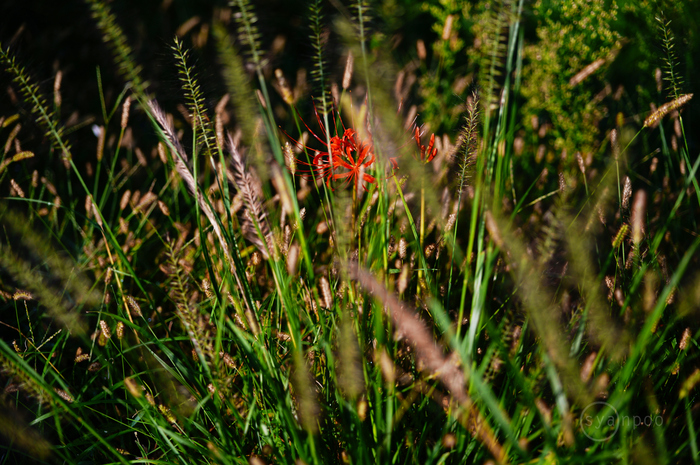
270,270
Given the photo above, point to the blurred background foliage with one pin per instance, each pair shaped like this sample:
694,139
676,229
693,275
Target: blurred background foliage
442,50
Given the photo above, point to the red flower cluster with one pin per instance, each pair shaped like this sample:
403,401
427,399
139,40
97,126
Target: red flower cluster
348,156
426,154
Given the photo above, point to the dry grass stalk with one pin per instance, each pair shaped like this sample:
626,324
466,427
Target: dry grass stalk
179,159
254,216
585,72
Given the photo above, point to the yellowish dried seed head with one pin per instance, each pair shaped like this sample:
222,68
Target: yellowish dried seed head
255,258
49,186
626,193
347,75
620,236
104,328
666,108
292,259
422,51
450,222
684,339
64,395
284,88
402,283
23,156
614,143
585,72
22,295
57,88
101,143
82,358
447,28
17,189
402,248
162,153
228,360
362,408
206,286
133,306
289,159
167,413
125,199
581,164
120,330
638,213
146,201
163,208
150,400
324,290
125,111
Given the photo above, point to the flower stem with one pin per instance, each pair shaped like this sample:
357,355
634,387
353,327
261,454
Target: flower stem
422,230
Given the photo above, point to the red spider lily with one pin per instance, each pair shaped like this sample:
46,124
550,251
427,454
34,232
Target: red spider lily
348,156
426,154
341,164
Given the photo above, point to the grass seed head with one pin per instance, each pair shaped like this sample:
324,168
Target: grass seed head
133,306
684,339
638,213
17,190
665,109
125,112
104,327
324,290
626,193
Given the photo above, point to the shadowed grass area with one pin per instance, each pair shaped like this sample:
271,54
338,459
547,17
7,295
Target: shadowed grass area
328,235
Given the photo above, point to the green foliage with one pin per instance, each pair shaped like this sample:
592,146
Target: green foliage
571,37
446,66
675,82
375,305
318,37
248,34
